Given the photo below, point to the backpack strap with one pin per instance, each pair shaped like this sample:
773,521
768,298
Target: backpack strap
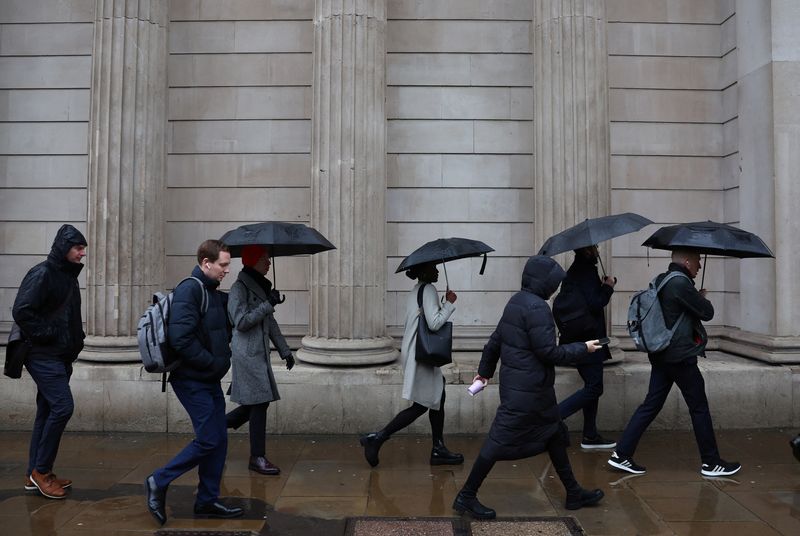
204,291
670,276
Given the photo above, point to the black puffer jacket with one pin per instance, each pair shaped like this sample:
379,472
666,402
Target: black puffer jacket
678,296
48,303
583,279
201,340
525,343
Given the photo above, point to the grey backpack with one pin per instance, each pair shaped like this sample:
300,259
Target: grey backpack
646,323
154,349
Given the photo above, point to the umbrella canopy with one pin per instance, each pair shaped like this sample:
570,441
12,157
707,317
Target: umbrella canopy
445,249
710,238
284,239
593,231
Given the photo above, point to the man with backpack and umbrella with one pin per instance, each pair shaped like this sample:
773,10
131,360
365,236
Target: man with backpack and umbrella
674,343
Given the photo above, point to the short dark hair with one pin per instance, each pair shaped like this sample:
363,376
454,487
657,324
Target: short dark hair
210,250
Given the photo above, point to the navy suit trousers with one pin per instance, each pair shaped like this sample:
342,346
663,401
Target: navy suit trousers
54,407
205,404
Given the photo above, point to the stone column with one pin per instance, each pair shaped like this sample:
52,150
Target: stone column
348,154
126,263
768,159
570,88
571,130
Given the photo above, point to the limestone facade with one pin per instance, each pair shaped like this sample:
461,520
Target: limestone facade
701,124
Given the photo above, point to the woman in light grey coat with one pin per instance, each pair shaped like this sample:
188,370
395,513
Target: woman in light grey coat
251,305
422,384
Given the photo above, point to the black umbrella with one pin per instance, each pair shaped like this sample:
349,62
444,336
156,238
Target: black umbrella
283,239
592,231
709,238
443,250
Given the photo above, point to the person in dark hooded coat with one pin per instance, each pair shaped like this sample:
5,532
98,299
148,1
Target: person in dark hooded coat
527,422
48,311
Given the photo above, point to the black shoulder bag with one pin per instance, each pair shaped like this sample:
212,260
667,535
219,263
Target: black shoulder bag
434,348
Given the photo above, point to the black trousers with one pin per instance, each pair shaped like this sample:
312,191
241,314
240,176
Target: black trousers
687,377
257,416
556,449
411,414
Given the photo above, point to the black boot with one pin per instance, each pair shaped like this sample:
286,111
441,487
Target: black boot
468,502
372,444
580,497
440,455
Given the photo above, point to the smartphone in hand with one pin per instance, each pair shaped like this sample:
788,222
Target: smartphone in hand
604,341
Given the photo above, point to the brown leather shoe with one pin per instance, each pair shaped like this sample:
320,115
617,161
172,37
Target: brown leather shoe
63,482
261,465
47,485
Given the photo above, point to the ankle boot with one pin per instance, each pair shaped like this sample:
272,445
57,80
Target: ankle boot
578,498
440,455
467,501
372,445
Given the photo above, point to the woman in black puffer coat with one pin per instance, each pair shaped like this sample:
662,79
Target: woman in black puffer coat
527,421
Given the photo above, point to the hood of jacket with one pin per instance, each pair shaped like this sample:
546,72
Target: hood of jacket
66,237
541,276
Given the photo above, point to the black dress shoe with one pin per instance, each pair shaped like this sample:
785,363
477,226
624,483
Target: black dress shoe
583,497
218,510
472,505
440,455
261,465
156,500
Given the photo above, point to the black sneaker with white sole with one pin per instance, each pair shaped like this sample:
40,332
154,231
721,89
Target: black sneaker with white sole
625,464
720,468
598,442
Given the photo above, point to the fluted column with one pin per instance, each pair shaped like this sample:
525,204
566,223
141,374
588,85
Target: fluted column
126,177
571,150
348,149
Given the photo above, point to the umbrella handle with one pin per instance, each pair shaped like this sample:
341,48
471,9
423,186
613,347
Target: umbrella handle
703,279
483,265
446,280
599,258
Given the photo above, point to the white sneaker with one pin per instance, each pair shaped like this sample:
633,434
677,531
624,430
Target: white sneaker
721,468
625,464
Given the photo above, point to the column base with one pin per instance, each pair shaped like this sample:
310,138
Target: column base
347,352
110,350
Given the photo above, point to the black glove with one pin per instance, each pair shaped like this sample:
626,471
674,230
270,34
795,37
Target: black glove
289,361
274,297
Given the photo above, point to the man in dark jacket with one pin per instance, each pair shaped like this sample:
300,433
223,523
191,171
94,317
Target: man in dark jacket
583,318
527,421
200,338
677,363
48,311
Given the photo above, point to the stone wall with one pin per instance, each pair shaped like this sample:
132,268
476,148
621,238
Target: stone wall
45,79
672,110
459,138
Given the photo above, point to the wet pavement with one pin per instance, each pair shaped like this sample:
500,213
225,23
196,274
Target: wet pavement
325,480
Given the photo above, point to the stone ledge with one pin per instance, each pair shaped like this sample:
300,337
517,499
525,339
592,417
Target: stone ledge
346,400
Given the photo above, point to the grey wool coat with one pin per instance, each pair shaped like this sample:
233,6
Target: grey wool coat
423,383
254,326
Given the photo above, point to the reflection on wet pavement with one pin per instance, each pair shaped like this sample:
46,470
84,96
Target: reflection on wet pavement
325,480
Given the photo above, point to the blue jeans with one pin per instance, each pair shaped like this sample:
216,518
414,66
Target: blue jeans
687,377
54,407
586,398
205,404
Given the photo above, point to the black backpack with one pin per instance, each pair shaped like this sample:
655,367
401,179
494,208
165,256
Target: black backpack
573,319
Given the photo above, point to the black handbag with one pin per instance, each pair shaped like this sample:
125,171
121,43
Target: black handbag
16,352
434,348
